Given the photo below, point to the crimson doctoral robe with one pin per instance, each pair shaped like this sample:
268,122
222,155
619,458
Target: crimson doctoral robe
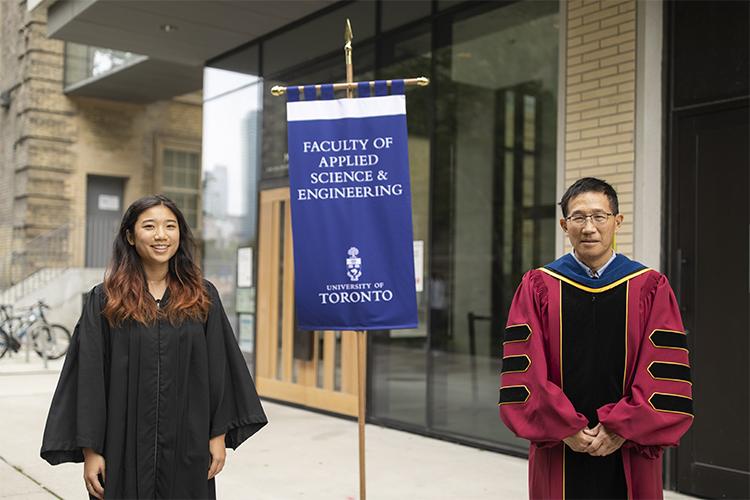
578,351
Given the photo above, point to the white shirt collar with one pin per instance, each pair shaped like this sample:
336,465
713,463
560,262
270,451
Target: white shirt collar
591,272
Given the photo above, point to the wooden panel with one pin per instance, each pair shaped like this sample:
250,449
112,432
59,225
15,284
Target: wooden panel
304,389
267,284
329,361
313,397
349,362
288,299
273,288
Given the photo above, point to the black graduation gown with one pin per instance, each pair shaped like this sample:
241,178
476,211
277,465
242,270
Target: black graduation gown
148,398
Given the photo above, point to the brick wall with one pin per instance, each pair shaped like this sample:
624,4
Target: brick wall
600,99
49,143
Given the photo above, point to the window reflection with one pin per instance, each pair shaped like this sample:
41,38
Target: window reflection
231,153
493,215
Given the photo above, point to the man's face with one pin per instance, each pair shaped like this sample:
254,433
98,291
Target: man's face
591,241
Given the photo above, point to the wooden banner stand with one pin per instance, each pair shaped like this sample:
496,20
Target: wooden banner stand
350,85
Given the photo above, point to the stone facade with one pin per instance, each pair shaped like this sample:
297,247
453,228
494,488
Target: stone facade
600,99
50,142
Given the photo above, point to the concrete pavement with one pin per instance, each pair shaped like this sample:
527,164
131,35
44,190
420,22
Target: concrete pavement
299,455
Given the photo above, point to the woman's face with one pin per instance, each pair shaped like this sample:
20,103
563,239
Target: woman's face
156,235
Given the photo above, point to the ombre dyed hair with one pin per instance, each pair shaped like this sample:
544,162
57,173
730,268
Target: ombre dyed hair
125,283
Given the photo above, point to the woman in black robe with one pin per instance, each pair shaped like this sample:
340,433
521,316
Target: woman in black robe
154,386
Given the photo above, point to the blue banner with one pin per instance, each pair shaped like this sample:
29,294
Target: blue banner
351,214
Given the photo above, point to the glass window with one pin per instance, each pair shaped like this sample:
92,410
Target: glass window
180,181
396,13
493,199
318,38
232,111
399,357
332,69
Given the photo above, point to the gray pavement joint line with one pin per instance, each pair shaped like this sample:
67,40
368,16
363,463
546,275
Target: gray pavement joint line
20,471
34,372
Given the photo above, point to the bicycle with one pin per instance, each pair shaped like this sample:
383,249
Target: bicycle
48,338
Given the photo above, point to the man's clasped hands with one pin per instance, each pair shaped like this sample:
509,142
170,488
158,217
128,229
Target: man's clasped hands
597,442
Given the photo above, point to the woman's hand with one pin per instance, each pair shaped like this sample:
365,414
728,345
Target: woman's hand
93,465
218,451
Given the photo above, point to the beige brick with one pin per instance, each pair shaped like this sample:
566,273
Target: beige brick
628,126
628,66
618,19
575,41
573,98
581,125
580,68
587,162
611,159
620,178
585,105
583,10
601,171
582,144
625,147
599,152
627,46
572,136
583,29
572,80
572,61
600,54
626,87
626,167
574,23
600,35
626,197
600,92
627,6
616,118
572,117
618,78
626,106
574,4
601,14
617,138
572,155
617,98
626,27
618,59
583,87
599,132
582,49
617,39
599,112
599,73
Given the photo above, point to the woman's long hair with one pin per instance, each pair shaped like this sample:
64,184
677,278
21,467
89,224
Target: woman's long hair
125,280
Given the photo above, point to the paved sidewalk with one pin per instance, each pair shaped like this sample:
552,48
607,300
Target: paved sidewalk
299,455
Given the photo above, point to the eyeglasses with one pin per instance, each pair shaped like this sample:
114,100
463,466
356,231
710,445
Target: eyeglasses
598,219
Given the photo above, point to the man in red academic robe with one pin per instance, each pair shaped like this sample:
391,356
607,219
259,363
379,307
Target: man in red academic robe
595,364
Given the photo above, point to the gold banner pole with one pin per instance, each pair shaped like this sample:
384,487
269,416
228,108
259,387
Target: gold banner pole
349,86
422,81
362,334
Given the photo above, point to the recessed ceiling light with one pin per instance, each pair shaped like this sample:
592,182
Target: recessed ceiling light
168,27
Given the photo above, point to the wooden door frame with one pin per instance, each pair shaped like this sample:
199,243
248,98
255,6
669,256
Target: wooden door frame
276,295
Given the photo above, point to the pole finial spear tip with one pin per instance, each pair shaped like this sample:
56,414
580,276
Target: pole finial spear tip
348,35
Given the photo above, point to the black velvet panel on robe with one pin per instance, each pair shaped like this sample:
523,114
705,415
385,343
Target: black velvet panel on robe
593,359
149,398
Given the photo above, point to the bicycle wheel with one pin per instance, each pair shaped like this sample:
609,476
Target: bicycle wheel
56,337
4,342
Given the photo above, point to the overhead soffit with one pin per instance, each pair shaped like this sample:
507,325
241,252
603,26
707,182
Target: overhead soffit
204,28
